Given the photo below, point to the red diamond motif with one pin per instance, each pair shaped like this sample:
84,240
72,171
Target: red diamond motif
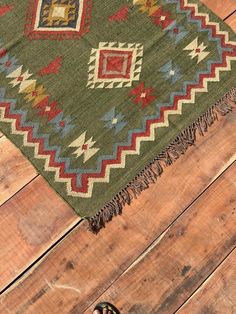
84,147
175,30
114,64
62,124
8,63
20,79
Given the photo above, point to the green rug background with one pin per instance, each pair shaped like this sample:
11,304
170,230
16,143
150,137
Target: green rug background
87,106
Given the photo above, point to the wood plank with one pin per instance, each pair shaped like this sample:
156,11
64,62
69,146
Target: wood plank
55,202
15,170
221,9
30,222
178,262
84,265
231,21
217,294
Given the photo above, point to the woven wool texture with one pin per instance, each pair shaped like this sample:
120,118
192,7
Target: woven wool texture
101,95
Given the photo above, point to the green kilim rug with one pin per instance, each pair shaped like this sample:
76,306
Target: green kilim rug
102,95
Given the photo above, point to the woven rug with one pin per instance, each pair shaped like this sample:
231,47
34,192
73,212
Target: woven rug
102,95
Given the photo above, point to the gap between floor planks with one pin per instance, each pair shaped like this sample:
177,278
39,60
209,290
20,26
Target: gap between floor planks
112,244
42,291
225,12
217,292
222,10
231,21
225,6
180,261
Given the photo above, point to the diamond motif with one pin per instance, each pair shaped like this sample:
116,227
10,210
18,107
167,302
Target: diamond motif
58,19
115,65
59,12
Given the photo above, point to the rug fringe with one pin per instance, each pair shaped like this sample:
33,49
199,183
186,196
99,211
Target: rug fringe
167,157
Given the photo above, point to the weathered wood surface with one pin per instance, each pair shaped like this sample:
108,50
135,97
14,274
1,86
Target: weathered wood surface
221,8
177,263
84,265
217,294
30,222
211,166
232,21
15,170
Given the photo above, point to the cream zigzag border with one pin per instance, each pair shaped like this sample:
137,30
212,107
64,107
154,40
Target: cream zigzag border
153,127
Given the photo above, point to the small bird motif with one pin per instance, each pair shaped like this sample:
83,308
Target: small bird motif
120,15
5,9
52,68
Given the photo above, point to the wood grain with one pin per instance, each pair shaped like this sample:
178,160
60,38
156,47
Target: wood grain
221,8
217,294
15,170
231,21
93,282
29,223
84,265
177,263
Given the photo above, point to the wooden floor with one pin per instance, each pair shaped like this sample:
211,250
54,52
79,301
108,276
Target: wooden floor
163,255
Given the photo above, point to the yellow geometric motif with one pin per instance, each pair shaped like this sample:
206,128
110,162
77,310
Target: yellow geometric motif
55,14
